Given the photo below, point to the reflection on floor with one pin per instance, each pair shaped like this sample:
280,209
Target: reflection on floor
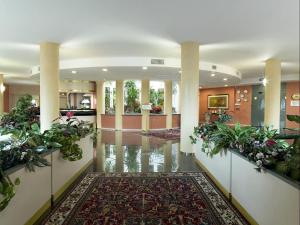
119,151
128,187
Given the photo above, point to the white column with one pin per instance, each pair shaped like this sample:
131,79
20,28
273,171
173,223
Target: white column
145,156
145,99
2,88
100,154
272,93
168,157
189,102
168,103
49,84
100,95
119,152
119,104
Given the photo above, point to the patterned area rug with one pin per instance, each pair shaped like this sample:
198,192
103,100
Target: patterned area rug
145,199
171,134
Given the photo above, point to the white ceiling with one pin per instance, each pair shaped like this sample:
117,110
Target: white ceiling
135,73
239,34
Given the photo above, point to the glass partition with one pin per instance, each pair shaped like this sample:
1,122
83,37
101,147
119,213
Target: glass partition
132,96
110,97
157,89
175,97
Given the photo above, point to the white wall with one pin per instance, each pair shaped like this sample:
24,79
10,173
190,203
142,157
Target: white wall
217,165
63,170
17,90
267,198
32,193
35,188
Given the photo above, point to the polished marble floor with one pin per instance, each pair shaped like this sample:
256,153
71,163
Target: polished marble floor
119,151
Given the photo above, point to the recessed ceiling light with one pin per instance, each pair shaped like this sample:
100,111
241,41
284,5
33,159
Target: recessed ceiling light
104,70
145,67
226,85
212,75
265,81
225,79
74,71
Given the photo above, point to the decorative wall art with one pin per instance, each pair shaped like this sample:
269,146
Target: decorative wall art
241,96
217,101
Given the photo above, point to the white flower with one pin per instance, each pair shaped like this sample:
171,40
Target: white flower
6,147
7,137
259,155
259,163
23,155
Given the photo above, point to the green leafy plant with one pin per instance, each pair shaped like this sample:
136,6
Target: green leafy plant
263,146
22,116
157,100
21,142
205,131
7,189
226,137
65,136
132,104
291,165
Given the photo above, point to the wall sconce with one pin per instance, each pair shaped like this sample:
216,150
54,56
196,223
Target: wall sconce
2,88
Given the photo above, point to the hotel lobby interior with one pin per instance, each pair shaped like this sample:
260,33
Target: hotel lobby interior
142,112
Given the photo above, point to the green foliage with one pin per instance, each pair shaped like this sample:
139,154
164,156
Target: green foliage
263,146
7,189
157,98
22,116
294,118
22,143
226,137
205,131
291,166
108,109
132,104
131,158
66,135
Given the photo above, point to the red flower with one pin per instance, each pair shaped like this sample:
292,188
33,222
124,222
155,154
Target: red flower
270,143
70,114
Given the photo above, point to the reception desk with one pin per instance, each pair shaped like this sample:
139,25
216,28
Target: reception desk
82,114
134,121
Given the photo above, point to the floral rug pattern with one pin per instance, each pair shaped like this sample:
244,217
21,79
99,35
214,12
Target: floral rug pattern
145,199
171,134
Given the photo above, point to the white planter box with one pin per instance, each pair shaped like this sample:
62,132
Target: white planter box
63,170
34,191
218,165
267,197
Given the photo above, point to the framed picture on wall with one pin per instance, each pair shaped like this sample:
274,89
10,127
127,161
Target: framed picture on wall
217,101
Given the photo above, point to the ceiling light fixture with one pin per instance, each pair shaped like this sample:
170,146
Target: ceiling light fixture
2,88
264,81
212,75
145,67
104,70
74,71
225,79
226,85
